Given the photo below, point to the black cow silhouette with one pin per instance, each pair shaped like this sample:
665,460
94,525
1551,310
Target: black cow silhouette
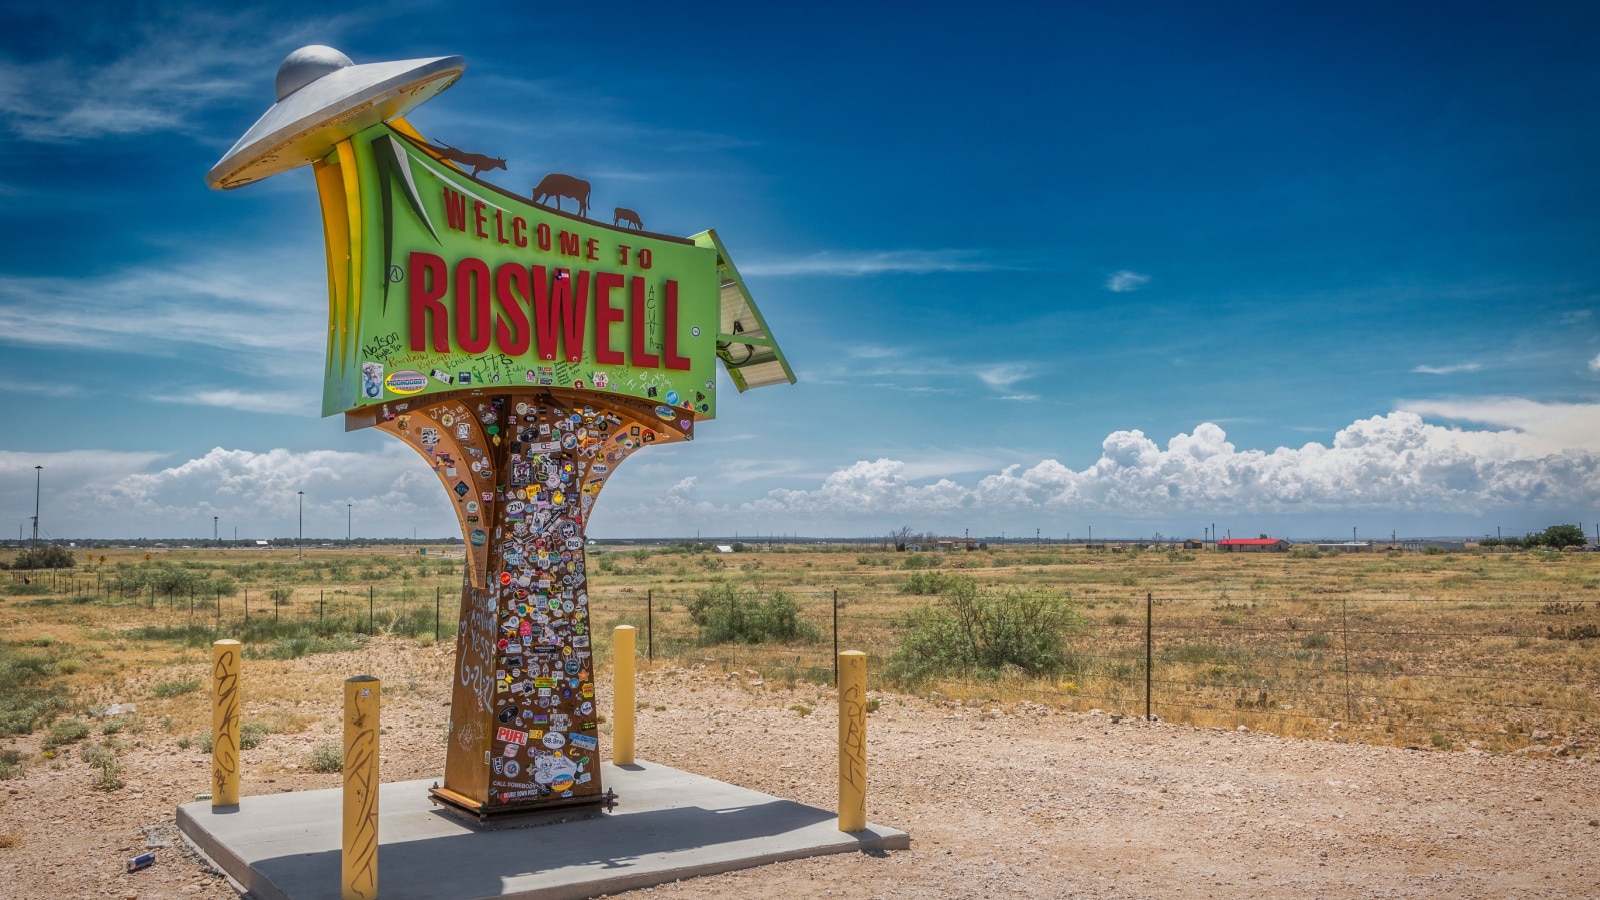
623,215
477,161
557,185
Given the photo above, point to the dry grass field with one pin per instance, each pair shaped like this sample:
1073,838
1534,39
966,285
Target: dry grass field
1496,651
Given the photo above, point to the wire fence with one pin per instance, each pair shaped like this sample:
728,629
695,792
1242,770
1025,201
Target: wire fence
1518,673
1412,672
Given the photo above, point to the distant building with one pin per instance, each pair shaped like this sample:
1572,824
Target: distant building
1194,544
1253,545
956,544
1346,547
1452,546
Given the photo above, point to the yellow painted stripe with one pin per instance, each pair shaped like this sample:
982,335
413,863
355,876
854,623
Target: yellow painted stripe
352,201
336,238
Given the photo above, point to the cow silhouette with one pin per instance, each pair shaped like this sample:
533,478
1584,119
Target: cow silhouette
478,161
557,185
627,216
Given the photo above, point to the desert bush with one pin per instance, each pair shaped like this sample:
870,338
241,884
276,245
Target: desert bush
30,694
970,631
925,583
44,558
66,732
326,758
915,561
176,687
728,614
11,764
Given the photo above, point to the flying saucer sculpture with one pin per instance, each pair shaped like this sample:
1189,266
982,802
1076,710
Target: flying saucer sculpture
524,352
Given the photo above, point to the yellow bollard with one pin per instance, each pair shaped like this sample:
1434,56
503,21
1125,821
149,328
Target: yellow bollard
852,740
225,723
359,871
624,644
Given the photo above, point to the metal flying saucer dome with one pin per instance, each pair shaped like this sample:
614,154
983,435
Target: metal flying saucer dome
324,98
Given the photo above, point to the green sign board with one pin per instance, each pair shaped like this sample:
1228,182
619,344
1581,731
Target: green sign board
449,283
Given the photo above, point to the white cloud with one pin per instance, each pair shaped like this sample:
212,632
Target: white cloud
1123,281
1002,376
915,262
264,303
98,493
1538,427
1594,364
1396,462
165,75
287,404
1448,370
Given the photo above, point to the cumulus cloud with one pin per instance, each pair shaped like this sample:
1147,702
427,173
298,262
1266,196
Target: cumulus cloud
1594,364
110,494
1396,462
1123,281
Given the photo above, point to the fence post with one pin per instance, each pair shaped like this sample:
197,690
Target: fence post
322,603
650,624
1344,608
1149,606
225,723
359,846
436,593
836,638
624,643
247,606
370,618
852,667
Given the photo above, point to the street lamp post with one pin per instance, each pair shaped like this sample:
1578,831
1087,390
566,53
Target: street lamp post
299,548
38,473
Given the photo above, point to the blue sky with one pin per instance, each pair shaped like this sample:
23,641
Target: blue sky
1141,267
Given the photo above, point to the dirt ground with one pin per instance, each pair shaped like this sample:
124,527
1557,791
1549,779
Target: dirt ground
1022,800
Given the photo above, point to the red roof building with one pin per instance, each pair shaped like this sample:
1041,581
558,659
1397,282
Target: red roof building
1253,545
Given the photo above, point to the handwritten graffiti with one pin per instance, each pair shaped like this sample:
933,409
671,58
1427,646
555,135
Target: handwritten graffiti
360,771
381,347
225,723
852,738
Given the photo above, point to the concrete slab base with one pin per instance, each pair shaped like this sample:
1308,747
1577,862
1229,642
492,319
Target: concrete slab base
669,824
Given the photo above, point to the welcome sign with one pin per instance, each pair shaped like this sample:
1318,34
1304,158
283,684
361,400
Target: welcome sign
524,350
459,284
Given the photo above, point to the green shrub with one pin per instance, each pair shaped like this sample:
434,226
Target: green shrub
729,614
969,631
326,758
925,583
176,687
251,734
47,557
915,561
11,764
30,693
1317,641
64,733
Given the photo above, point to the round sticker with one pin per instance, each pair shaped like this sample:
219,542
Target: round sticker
447,420
513,768
695,331
472,506
522,409
562,782
665,412
405,382
555,740
672,398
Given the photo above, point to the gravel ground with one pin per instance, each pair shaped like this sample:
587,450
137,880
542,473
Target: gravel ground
1022,800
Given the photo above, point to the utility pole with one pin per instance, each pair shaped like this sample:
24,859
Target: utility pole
299,542
38,474
214,537
348,518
